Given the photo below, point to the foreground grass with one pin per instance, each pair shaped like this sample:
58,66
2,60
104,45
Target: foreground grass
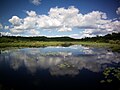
114,47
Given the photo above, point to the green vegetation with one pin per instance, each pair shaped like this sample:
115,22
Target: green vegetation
110,73
108,41
37,38
35,44
65,65
113,38
114,47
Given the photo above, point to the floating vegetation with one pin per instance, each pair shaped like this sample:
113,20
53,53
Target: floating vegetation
63,65
110,73
64,68
102,81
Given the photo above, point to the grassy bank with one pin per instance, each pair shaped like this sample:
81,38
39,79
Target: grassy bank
35,44
114,47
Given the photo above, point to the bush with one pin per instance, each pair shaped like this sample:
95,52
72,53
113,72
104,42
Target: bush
114,41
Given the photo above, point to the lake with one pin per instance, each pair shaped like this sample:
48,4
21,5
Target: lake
75,67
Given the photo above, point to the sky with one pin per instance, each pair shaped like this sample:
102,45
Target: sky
57,18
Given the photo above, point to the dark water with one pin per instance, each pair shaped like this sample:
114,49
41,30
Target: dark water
74,67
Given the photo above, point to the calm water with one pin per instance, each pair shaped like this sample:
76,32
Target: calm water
74,67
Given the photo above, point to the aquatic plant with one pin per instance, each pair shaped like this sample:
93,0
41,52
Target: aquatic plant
110,73
64,65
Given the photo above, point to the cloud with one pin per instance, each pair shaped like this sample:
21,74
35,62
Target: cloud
15,20
75,35
6,27
64,28
6,33
36,2
1,26
65,20
31,13
92,20
34,32
23,25
108,28
29,23
93,33
118,11
46,22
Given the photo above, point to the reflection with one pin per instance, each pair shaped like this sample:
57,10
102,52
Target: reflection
60,60
65,68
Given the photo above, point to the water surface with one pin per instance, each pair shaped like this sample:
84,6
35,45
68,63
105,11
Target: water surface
75,67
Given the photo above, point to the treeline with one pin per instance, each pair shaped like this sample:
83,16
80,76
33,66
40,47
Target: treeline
40,38
113,38
109,38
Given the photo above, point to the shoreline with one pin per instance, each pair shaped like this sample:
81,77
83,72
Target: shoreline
113,47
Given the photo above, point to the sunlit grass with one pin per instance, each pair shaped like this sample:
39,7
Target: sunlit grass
114,47
35,44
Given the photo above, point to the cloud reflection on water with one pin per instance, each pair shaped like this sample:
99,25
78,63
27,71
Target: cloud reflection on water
60,60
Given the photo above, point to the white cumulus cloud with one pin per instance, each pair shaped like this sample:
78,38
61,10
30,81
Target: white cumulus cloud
34,32
36,2
1,26
46,22
31,13
64,20
6,27
6,33
15,20
118,11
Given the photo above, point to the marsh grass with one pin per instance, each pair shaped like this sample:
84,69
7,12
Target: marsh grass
114,47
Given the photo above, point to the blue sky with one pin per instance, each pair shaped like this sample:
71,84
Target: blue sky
74,18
